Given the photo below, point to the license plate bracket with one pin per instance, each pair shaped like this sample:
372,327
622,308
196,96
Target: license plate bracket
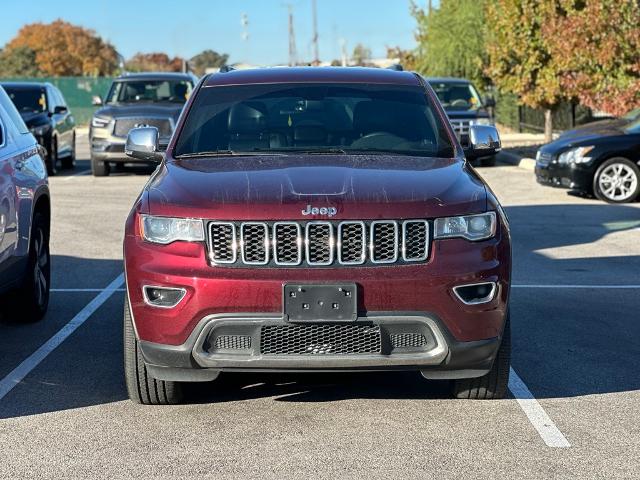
320,302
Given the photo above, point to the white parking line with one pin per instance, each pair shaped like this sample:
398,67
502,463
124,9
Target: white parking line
32,361
82,172
551,435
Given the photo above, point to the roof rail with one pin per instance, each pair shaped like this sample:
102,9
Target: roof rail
225,69
396,66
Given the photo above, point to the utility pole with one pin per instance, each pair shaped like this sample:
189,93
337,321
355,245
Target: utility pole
293,54
314,40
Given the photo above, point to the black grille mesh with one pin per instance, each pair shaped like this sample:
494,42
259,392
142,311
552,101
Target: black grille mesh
233,342
322,339
123,125
254,237
352,240
399,340
415,240
318,243
287,249
319,237
222,242
385,242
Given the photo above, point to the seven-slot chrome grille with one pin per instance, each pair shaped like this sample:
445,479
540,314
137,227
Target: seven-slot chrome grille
318,243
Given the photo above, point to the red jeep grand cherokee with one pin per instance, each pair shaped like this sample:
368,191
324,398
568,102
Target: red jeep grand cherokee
315,219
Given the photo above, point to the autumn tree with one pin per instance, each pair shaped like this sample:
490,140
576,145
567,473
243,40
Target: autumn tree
596,45
63,49
451,40
520,60
207,59
18,62
154,62
361,55
406,58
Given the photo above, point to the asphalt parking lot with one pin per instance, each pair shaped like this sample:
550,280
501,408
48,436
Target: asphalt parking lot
576,356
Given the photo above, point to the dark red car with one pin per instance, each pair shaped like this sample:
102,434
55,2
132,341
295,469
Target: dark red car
315,219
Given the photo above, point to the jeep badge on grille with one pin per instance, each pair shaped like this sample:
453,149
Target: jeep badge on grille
329,211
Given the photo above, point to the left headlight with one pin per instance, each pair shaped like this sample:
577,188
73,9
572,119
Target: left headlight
575,155
471,227
166,230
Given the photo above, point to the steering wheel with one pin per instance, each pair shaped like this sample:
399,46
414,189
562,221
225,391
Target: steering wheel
378,140
459,103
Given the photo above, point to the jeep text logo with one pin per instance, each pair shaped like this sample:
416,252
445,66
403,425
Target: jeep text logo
330,211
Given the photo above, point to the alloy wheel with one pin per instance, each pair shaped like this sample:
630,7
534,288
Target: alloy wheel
618,182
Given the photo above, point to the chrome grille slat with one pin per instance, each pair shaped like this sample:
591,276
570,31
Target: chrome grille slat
318,243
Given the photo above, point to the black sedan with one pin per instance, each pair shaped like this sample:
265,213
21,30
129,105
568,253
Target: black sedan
49,119
602,159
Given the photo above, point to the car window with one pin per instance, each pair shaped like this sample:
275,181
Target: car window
457,95
137,91
30,99
12,113
61,100
308,117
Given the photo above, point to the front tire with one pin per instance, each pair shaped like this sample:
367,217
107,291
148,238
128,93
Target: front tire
143,388
52,158
30,301
617,180
494,384
70,161
488,161
100,168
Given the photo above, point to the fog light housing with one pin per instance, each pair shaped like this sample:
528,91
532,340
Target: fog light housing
162,297
477,293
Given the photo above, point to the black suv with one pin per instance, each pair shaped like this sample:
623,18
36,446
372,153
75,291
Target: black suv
45,112
464,106
135,100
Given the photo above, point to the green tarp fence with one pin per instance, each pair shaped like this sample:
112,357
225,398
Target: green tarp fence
77,91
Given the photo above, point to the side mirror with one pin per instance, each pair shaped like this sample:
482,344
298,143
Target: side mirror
96,101
484,141
490,102
143,144
60,109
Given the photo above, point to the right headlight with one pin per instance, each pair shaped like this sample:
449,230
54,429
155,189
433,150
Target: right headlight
471,227
575,155
99,122
166,230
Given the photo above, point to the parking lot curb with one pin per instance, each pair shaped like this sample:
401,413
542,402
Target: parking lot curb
512,159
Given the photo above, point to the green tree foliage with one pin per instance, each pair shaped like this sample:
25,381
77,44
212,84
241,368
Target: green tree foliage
596,45
520,58
207,59
451,40
18,62
361,55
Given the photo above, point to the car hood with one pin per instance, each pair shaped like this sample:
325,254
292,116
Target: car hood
280,187
611,126
583,137
34,119
457,114
141,110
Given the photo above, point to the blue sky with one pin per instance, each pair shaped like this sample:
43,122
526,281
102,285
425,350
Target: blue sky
186,27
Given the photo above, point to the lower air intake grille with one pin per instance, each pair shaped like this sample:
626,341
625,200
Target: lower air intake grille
319,339
233,342
400,340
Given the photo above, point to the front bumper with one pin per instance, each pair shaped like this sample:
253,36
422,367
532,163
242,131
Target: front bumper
572,176
202,357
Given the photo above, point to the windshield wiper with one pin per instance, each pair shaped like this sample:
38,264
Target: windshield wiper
226,153
314,151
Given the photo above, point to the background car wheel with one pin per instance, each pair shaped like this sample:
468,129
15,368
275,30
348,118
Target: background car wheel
99,168
31,300
494,384
70,161
52,158
143,388
617,181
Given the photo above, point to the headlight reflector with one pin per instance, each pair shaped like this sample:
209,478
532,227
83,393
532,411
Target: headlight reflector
166,230
99,122
481,121
471,227
575,155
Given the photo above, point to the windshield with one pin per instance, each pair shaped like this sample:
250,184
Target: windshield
632,115
320,118
457,95
131,91
28,99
